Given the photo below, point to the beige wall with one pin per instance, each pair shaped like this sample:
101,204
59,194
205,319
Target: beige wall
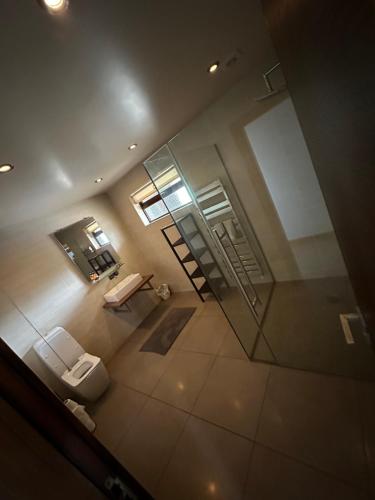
41,288
156,254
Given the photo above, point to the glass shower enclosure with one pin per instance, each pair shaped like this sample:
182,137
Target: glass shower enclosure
220,237
288,295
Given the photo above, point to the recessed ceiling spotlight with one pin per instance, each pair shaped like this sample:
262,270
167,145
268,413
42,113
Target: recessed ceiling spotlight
98,180
213,67
5,168
56,6
132,146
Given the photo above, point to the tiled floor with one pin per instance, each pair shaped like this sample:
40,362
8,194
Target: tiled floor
303,329
204,422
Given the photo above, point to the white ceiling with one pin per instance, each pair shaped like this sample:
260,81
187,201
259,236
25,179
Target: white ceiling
76,90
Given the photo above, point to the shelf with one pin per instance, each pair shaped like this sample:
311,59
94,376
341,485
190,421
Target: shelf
197,273
194,254
208,268
200,251
179,242
189,257
205,288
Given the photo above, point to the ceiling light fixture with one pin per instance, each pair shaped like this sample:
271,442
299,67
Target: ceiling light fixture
98,180
213,67
56,6
5,168
132,146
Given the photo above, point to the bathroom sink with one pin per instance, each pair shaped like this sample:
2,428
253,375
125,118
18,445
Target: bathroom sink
123,288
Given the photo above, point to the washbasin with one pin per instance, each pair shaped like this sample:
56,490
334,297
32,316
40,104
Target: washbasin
125,286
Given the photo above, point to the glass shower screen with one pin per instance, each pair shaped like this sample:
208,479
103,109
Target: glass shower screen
220,238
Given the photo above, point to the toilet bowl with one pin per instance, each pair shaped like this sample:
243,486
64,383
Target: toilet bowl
84,374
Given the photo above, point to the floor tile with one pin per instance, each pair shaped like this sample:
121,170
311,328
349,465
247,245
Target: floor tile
115,411
138,370
366,392
185,299
184,378
231,347
233,395
209,462
303,328
275,477
206,334
211,308
147,446
314,418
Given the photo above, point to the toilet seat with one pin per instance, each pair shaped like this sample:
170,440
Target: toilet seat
85,365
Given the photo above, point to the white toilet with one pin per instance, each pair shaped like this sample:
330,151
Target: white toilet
81,372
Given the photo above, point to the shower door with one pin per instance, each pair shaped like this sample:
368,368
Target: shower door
215,212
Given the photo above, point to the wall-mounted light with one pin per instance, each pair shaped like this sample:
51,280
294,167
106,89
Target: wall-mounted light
55,6
5,168
98,180
213,67
132,146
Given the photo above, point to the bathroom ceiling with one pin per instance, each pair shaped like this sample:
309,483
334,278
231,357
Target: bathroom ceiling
77,89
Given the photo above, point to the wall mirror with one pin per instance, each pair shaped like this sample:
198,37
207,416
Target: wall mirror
87,245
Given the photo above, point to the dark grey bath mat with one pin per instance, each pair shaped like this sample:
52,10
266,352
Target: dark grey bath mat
166,333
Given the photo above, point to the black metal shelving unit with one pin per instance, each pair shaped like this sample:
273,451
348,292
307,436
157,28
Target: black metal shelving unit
187,232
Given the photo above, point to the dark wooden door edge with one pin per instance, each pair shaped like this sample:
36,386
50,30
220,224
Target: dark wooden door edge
28,395
326,51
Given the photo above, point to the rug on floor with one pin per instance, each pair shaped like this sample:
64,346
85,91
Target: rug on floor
166,333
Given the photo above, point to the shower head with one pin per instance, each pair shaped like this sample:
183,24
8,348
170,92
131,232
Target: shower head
270,90
270,93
